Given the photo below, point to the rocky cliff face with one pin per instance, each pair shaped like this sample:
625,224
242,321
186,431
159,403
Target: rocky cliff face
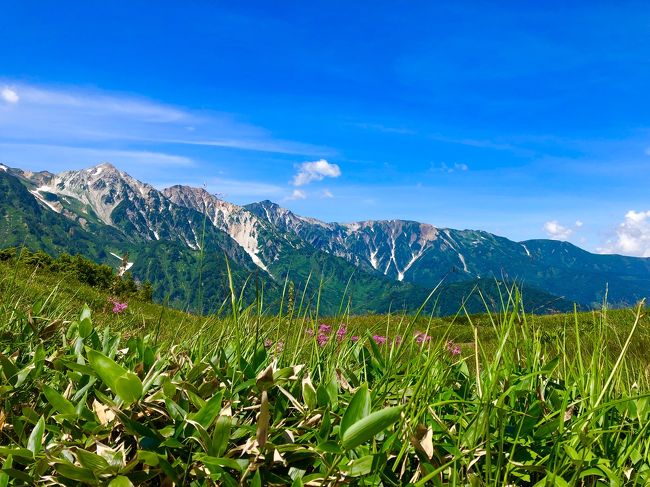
281,243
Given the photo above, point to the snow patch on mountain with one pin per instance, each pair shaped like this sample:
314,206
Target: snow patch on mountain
462,259
52,206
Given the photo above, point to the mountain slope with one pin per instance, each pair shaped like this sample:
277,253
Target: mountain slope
425,255
172,266
180,237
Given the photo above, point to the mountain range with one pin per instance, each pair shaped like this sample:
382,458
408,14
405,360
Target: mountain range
179,238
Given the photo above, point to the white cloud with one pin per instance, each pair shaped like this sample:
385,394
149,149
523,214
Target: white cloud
75,116
556,231
315,171
297,194
61,157
632,236
327,193
9,95
579,223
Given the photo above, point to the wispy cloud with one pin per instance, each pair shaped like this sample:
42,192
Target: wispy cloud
74,115
315,171
58,157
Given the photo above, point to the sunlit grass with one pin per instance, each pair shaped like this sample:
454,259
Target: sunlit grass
152,396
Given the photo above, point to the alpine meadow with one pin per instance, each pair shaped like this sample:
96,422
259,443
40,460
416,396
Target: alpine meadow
324,244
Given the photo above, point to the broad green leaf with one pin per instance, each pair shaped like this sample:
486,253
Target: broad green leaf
128,387
221,436
107,369
148,458
4,477
366,428
322,396
358,408
92,461
35,441
210,412
85,313
73,472
9,370
221,462
6,451
58,402
120,481
360,466
85,328
309,394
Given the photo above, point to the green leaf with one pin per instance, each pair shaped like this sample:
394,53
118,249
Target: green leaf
360,466
120,481
128,387
358,408
256,481
221,436
35,441
107,369
58,402
85,328
210,412
92,461
76,473
85,313
366,428
4,478
9,370
125,384
6,451
309,394
220,462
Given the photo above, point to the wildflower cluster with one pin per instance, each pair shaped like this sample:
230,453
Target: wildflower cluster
452,348
118,307
421,337
325,333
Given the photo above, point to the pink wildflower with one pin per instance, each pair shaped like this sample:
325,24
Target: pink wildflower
323,328
354,338
322,339
117,306
379,339
398,339
340,333
452,348
421,337
279,346
309,332
268,343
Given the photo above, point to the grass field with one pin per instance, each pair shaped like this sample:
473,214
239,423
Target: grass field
146,395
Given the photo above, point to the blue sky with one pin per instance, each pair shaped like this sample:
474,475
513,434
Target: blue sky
526,120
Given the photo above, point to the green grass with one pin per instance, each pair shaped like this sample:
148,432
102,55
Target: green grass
153,396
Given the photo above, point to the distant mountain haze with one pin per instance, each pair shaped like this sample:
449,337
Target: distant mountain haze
180,237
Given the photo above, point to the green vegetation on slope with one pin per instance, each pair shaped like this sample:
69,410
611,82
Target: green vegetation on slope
92,396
